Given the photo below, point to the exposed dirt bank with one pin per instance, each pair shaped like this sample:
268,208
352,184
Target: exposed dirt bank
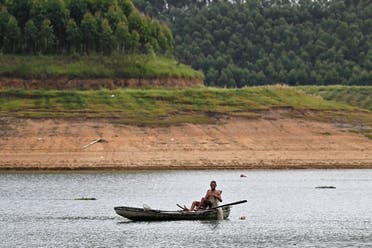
237,143
97,83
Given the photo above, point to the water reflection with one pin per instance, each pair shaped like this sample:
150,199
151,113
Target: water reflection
213,224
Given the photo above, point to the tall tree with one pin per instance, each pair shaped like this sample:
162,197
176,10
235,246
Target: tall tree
58,14
20,9
77,9
134,41
30,36
84,26
12,35
106,37
115,15
122,37
127,6
89,29
47,37
73,36
4,18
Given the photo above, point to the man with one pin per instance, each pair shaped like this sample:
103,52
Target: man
211,198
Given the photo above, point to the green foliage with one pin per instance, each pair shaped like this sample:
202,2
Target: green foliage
76,26
115,15
11,35
77,9
31,36
89,29
47,38
122,37
4,18
114,66
257,42
135,21
73,35
106,37
58,14
359,96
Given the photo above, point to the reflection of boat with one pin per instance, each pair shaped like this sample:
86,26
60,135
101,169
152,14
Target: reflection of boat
147,214
140,214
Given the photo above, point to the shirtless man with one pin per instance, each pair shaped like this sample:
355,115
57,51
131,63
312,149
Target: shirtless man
211,198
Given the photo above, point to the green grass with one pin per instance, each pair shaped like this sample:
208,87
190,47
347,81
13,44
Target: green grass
158,106
365,132
360,96
326,133
115,66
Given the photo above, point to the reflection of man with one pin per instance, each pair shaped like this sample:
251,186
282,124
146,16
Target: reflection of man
211,198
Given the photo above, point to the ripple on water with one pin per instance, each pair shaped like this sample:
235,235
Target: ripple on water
284,209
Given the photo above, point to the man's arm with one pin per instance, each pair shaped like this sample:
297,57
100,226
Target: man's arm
218,195
207,194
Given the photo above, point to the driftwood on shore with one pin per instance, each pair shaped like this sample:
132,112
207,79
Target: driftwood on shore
248,144
93,142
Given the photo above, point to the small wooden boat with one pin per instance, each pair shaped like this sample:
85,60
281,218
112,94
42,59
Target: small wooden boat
140,214
144,214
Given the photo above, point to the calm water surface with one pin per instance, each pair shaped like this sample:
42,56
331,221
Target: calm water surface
284,209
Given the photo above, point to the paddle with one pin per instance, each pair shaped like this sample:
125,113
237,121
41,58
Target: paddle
229,204
183,208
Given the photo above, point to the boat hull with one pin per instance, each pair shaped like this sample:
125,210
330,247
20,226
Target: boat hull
140,214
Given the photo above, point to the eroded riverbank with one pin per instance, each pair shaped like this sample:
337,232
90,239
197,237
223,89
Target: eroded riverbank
269,142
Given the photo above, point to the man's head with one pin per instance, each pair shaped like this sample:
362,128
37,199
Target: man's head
213,185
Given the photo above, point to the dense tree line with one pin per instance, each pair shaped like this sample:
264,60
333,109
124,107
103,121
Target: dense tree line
252,42
79,26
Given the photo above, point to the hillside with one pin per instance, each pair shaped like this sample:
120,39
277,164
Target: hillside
80,26
356,96
86,44
255,42
275,127
159,106
94,72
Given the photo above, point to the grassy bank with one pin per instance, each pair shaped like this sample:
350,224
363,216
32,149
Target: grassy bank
159,106
115,66
360,96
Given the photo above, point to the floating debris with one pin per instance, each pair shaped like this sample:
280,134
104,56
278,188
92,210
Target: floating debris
242,175
242,217
325,187
85,199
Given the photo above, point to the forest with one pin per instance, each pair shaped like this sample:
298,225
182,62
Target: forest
255,42
80,27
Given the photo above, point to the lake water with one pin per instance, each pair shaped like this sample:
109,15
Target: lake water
283,210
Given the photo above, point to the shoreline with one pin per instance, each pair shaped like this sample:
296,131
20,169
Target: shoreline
234,143
89,169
